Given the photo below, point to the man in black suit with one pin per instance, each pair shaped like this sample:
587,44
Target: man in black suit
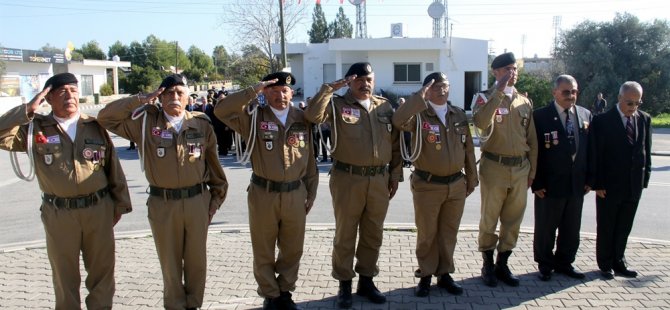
621,156
561,179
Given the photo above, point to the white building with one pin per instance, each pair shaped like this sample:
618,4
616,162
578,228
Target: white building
400,64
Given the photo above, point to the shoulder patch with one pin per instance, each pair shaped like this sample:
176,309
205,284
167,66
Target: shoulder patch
479,99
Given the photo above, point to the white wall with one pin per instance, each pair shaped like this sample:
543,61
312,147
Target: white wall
99,74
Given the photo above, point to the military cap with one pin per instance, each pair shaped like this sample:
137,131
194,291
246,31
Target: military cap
283,79
359,69
172,80
503,60
60,79
194,95
437,76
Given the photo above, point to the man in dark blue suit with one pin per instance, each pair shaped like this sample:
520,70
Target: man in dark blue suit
561,179
621,156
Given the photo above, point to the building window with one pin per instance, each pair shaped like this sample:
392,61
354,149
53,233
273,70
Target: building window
86,85
407,73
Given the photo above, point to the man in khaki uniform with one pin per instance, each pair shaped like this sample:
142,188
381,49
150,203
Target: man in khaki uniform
85,190
507,168
367,167
186,182
283,183
439,186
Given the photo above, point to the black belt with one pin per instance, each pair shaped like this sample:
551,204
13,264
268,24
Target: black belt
430,178
176,193
360,170
505,160
273,186
75,202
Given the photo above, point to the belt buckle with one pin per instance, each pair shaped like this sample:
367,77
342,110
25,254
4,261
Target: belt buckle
372,171
284,187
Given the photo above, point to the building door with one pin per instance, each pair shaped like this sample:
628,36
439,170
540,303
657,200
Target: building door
473,80
86,85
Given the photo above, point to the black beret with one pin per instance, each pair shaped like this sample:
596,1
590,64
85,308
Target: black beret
359,69
503,60
60,79
194,95
437,76
172,80
283,79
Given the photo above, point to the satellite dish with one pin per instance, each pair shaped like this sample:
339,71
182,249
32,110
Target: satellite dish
356,2
435,10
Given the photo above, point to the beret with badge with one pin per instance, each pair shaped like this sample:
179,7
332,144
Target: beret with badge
283,79
173,80
503,60
439,77
61,79
359,69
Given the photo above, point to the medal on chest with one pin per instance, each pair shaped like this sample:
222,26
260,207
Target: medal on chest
547,140
160,152
554,135
48,159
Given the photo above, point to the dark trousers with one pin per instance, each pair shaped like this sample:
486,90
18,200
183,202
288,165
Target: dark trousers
326,138
564,215
614,219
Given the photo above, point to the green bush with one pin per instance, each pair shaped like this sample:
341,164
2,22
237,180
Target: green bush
106,90
661,120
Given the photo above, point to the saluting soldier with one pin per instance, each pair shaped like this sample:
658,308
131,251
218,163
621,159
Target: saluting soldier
186,182
507,168
367,167
283,183
84,189
439,185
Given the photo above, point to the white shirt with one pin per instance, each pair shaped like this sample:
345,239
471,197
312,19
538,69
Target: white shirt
365,103
280,114
175,121
441,111
69,125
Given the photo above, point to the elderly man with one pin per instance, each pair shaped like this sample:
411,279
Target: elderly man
283,183
507,168
561,179
186,182
621,156
367,167
85,190
439,187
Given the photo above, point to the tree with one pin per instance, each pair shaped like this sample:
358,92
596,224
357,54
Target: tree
257,22
341,27
251,67
601,56
92,50
222,62
52,49
201,64
319,32
118,49
537,87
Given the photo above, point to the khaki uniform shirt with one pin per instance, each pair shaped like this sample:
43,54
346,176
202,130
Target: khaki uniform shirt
445,150
281,153
513,127
63,167
171,159
363,138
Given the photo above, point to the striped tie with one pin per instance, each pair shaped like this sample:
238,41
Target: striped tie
630,131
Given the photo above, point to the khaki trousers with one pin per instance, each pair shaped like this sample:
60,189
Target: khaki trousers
504,191
179,229
276,218
360,204
91,232
437,211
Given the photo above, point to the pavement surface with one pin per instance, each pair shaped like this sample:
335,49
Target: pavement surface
25,276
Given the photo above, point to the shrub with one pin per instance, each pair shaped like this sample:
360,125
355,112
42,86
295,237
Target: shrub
106,90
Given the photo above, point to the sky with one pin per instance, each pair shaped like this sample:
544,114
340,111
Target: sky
30,24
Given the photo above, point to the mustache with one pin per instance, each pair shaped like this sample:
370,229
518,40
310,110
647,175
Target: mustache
173,102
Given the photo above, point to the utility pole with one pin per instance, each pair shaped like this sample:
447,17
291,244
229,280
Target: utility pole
176,57
283,38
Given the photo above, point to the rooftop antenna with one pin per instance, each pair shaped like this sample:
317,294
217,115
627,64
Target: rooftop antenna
436,11
361,23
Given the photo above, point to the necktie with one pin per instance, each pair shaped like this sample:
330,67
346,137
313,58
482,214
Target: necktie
630,131
570,130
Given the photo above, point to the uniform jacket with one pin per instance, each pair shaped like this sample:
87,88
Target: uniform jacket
363,138
513,126
63,167
171,159
620,168
444,151
557,173
281,153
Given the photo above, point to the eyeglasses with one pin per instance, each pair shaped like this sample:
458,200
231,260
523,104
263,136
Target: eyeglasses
566,92
633,103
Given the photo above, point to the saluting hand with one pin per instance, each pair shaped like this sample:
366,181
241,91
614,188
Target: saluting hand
502,82
258,88
35,103
151,97
422,92
342,82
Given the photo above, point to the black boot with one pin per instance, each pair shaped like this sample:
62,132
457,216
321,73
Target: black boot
287,302
448,283
344,295
488,274
271,303
423,288
502,271
367,288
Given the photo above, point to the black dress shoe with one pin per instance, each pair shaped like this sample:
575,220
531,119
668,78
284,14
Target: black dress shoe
545,274
607,274
367,288
570,272
423,288
624,272
270,304
448,283
344,295
286,302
